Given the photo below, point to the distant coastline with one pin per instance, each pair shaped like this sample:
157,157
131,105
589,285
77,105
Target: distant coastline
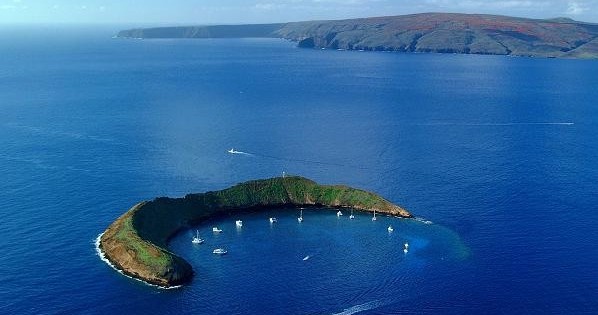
425,32
136,243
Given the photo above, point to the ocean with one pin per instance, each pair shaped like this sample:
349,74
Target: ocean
498,153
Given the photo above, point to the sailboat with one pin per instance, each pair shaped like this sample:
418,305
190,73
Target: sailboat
300,218
197,239
374,218
351,216
339,213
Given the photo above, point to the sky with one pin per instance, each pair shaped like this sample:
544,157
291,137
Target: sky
199,12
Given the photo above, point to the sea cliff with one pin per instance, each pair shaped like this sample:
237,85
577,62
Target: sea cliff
424,32
137,242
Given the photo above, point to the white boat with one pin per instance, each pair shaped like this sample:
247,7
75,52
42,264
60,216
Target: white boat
219,251
216,230
406,248
300,218
390,229
232,151
239,223
374,218
272,220
306,258
339,213
197,239
351,216
406,245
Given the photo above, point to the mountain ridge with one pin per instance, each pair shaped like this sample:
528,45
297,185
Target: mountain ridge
422,32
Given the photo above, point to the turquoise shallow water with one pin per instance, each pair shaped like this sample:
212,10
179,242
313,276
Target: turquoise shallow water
350,262
498,152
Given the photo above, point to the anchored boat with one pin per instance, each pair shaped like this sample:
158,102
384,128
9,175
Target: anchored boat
219,251
197,239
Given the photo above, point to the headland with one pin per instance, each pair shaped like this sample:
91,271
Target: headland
421,33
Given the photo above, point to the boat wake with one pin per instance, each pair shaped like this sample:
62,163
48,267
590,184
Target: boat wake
424,221
304,161
500,124
233,151
362,307
102,256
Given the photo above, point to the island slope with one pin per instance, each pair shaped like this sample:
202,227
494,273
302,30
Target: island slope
425,32
136,243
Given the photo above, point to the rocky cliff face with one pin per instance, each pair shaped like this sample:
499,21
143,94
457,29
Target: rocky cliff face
136,243
449,33
209,31
137,258
426,32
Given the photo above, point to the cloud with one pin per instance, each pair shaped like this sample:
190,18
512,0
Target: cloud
576,8
505,4
268,6
502,4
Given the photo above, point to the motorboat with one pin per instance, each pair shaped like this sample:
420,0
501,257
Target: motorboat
390,229
216,230
219,251
339,213
351,216
300,218
273,220
239,223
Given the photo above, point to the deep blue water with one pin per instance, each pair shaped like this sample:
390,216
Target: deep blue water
500,153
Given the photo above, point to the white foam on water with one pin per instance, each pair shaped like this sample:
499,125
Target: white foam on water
102,256
424,221
361,307
238,152
500,124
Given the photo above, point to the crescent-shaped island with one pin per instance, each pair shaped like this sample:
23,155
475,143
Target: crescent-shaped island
137,242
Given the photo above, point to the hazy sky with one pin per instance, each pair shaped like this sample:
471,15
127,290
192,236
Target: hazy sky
148,12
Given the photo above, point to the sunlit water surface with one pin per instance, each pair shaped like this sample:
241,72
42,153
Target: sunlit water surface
499,153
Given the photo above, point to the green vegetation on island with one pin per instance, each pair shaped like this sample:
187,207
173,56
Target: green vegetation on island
136,243
425,32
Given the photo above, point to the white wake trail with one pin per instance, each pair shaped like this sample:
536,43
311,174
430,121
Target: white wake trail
233,151
500,124
361,307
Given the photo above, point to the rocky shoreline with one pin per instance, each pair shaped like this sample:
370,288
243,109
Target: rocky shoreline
136,244
414,33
